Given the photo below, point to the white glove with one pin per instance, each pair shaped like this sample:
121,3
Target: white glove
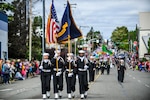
58,73
41,67
52,77
76,76
68,58
70,74
86,67
55,56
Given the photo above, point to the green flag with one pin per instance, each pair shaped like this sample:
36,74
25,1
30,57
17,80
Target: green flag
104,49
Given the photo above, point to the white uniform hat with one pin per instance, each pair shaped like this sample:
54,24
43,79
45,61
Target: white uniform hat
69,54
81,51
57,51
45,54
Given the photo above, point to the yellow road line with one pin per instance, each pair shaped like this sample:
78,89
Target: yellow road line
94,80
92,83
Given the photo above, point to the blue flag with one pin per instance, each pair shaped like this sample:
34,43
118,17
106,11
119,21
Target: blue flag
68,27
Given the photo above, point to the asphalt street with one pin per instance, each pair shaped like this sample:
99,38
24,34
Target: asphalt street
136,86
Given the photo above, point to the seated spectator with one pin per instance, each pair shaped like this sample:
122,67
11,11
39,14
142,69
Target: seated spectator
19,76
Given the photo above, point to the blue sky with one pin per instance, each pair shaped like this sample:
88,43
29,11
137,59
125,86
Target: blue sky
102,15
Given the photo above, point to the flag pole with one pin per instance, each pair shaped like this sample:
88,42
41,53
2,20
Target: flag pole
69,52
56,48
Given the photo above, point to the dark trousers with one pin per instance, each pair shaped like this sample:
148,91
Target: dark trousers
45,81
70,83
102,70
6,78
27,73
91,75
83,82
97,70
57,82
108,69
118,75
121,75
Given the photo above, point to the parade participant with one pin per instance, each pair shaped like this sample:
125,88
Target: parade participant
82,63
92,67
108,66
97,66
121,69
58,68
46,69
118,67
70,76
102,65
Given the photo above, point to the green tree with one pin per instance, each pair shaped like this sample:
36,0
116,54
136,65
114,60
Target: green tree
93,34
36,38
37,22
120,37
90,34
96,35
18,30
132,35
7,7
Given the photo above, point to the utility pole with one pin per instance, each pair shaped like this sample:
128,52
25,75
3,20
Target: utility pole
43,27
30,30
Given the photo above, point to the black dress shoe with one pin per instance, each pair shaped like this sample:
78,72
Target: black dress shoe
60,96
85,96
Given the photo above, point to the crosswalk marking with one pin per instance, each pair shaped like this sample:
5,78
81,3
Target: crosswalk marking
147,85
139,81
6,90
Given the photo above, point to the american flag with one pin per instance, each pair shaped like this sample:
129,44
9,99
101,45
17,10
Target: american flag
52,26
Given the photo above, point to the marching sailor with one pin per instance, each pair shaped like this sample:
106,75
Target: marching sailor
102,66
121,69
70,75
82,65
45,68
108,65
58,68
92,67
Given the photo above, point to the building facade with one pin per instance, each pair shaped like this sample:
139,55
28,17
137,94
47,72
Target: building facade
3,36
144,31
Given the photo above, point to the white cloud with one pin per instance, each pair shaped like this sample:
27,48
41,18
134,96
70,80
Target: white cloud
103,15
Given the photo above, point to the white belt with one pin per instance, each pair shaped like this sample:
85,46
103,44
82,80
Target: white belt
46,70
80,69
55,69
71,70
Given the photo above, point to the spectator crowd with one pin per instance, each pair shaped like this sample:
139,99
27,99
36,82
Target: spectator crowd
11,70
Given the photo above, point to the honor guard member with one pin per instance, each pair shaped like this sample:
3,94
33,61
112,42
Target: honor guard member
58,68
108,65
92,67
102,66
122,69
45,68
70,75
82,63
97,66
